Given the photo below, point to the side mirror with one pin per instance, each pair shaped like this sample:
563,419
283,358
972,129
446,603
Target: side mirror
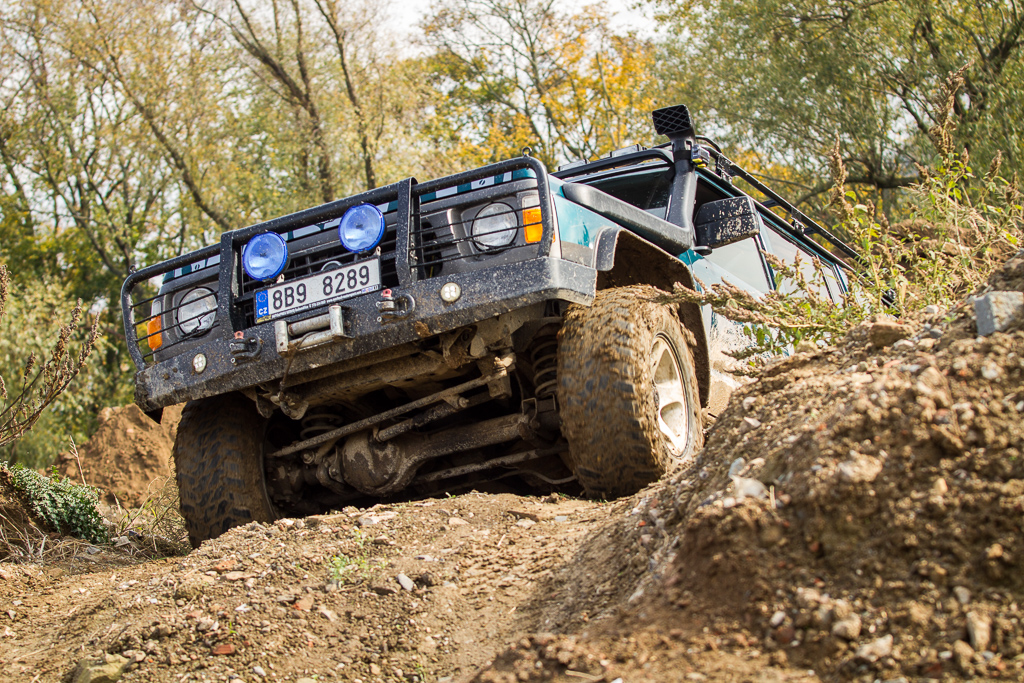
725,221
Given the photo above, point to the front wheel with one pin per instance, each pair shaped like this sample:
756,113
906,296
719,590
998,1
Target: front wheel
218,457
627,391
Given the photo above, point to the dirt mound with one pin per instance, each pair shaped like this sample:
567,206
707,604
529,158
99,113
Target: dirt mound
128,457
410,592
856,513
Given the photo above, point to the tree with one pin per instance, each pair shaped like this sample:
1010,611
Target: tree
784,76
521,74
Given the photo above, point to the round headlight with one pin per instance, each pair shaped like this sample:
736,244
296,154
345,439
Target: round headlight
265,256
196,311
495,226
361,228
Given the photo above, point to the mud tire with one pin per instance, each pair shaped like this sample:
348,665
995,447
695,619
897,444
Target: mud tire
218,457
606,393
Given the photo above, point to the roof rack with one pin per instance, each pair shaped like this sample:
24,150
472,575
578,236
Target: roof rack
726,168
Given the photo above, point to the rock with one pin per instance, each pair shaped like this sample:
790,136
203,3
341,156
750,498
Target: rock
749,424
106,670
997,311
224,649
259,671
207,624
224,565
876,649
307,680
859,468
745,486
885,333
808,597
427,646
931,309
963,595
777,619
374,671
305,603
405,582
455,521
848,628
384,590
805,347
940,487
748,402
784,635
979,630
963,654
525,523
235,576
328,614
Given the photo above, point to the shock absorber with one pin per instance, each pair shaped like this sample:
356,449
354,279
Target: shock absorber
544,358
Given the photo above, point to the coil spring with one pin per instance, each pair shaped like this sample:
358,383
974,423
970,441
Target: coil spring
316,423
544,358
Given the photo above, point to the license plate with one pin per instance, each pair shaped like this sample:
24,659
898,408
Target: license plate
316,290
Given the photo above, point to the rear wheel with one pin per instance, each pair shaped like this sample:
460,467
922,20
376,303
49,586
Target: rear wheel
627,391
218,456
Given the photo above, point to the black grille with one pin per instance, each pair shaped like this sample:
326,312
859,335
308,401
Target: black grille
162,329
441,240
673,121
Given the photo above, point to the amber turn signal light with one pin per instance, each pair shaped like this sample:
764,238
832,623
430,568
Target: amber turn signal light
154,337
531,223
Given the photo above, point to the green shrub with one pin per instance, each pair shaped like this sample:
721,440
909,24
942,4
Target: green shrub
69,508
959,228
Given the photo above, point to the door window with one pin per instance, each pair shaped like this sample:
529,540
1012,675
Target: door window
743,261
820,279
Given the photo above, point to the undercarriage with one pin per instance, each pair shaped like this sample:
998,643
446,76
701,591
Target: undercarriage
456,410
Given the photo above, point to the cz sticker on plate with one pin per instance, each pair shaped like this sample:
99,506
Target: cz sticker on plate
314,290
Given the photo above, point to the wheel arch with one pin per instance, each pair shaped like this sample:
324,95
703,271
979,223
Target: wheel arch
623,258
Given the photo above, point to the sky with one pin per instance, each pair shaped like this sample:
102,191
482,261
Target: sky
406,13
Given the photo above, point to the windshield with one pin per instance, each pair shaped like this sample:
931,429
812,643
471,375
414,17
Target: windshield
648,190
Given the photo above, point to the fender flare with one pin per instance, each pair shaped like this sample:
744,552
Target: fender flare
622,258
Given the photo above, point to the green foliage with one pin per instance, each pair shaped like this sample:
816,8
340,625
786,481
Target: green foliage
35,368
782,76
961,230
355,569
69,508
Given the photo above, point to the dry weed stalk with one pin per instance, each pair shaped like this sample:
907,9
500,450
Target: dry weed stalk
39,387
156,522
961,231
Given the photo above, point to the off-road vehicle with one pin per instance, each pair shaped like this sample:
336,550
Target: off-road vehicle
427,337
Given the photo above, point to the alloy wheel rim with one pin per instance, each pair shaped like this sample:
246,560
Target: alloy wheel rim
673,416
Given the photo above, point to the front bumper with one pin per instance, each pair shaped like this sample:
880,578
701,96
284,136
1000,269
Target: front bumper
485,294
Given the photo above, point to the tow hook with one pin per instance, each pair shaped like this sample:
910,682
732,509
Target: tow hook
244,350
395,308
